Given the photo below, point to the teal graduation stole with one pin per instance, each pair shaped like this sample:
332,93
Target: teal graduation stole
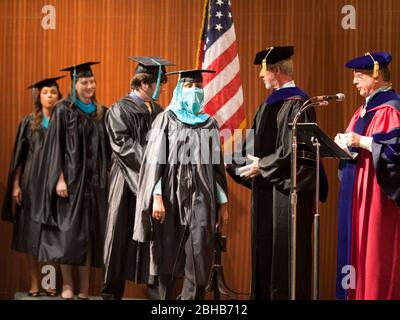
45,122
86,108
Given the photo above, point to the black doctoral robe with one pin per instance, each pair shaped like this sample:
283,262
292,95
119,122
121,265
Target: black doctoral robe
26,155
127,123
76,145
182,156
271,209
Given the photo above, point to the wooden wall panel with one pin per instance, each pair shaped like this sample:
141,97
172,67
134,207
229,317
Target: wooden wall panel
110,31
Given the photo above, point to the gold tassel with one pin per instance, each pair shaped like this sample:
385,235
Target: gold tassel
264,62
375,72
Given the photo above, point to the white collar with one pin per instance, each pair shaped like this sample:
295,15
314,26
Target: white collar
289,84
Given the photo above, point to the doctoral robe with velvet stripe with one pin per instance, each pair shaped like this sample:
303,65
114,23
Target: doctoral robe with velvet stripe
271,208
369,213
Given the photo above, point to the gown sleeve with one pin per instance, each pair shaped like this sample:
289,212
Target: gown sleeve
219,168
239,159
153,163
51,166
127,150
386,154
20,152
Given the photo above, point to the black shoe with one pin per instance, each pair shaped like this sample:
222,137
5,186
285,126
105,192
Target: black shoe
34,294
50,293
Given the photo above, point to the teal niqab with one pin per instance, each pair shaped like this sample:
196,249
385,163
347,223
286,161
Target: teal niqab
187,105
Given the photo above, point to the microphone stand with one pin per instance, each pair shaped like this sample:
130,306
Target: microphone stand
217,282
315,291
293,196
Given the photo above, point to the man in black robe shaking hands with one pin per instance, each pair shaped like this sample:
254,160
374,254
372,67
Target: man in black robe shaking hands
268,174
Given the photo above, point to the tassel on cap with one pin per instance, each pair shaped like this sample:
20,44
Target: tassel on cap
264,62
375,72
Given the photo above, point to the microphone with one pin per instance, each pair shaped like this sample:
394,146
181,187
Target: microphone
337,97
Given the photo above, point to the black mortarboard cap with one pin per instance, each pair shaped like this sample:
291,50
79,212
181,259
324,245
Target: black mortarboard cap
193,75
48,82
155,66
83,70
273,55
150,64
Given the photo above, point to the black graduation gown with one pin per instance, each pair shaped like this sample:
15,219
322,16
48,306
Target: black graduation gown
76,145
189,194
127,125
26,154
271,209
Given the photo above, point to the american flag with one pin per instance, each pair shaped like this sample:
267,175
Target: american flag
223,93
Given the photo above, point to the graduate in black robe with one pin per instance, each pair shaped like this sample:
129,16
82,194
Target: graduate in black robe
269,177
128,122
17,205
75,182
182,191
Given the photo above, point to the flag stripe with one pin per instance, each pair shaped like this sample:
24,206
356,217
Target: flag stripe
218,47
220,80
234,120
221,62
223,96
223,93
229,109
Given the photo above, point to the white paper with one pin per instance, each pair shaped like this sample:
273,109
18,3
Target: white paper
342,137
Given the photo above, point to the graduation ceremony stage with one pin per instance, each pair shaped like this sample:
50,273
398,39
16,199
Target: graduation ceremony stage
38,38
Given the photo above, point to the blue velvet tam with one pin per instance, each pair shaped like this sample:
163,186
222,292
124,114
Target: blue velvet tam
369,60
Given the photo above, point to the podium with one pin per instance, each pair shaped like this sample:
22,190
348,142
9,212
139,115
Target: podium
311,135
309,131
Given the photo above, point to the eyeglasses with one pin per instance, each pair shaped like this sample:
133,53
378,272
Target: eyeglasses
360,76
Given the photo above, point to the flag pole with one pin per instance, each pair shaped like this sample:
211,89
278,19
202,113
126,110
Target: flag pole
200,49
